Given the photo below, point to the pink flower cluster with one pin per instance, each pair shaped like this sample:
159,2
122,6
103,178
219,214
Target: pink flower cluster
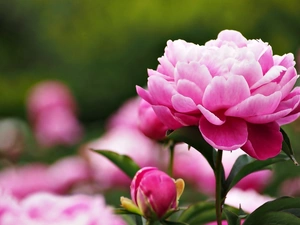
235,90
48,209
58,178
52,110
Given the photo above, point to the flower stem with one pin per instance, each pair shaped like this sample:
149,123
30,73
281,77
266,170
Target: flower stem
218,176
171,161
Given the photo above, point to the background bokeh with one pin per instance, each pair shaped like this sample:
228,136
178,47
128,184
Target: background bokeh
102,49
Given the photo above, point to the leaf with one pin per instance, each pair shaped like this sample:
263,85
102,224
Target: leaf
202,212
245,166
198,213
192,136
287,147
231,217
281,211
124,162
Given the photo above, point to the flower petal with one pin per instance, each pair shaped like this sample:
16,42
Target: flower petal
165,115
183,104
255,105
250,70
271,75
194,72
190,89
266,59
160,90
144,94
264,140
228,136
222,93
211,117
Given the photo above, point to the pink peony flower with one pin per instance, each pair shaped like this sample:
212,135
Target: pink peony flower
234,89
198,172
122,140
153,193
48,209
36,177
52,111
149,123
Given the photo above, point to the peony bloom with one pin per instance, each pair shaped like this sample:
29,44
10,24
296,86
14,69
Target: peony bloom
48,209
52,111
198,172
36,177
153,193
149,123
122,140
235,90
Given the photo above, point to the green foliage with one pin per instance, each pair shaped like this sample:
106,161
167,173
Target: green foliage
124,162
282,211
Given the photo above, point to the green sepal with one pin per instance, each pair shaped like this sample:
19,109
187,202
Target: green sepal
287,147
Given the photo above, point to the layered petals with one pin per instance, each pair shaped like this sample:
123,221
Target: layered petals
228,136
225,87
264,141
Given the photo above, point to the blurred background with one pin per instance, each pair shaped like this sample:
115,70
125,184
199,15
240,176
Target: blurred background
102,49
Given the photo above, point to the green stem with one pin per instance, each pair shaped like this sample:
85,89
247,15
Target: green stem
171,162
218,176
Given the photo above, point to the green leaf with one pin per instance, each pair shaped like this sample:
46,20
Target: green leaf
124,162
231,217
246,166
281,211
192,136
201,212
287,147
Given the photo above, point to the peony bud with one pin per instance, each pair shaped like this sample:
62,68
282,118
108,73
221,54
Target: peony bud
154,194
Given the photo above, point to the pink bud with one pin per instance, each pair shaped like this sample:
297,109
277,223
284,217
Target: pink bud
154,192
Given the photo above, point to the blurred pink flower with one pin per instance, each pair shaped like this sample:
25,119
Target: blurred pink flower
126,115
290,187
122,140
35,177
248,200
57,127
193,168
48,209
234,89
52,111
